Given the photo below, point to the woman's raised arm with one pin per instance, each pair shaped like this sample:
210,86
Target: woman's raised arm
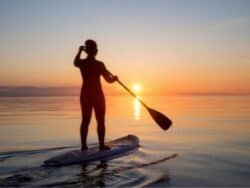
77,57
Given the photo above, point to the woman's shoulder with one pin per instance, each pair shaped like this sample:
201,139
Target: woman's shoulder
100,63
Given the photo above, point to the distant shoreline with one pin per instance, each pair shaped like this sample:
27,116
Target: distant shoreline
32,91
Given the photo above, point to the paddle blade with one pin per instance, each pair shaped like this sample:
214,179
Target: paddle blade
163,121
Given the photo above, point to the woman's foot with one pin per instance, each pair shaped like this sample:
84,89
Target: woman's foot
104,147
84,148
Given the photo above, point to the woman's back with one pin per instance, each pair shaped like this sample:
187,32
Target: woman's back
91,71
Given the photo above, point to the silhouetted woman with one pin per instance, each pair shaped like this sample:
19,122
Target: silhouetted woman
92,96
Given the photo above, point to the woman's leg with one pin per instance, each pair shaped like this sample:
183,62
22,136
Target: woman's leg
86,116
99,108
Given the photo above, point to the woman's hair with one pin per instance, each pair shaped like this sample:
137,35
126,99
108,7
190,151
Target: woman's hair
90,47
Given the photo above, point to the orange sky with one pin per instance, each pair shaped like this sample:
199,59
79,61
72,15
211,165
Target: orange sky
173,48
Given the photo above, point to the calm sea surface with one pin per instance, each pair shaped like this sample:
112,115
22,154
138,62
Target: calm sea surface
210,135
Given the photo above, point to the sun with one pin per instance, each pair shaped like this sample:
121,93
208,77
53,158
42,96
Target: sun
137,88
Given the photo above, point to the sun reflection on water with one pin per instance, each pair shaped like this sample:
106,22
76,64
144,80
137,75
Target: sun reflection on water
137,109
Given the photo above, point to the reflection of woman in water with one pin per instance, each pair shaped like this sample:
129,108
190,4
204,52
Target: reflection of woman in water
91,93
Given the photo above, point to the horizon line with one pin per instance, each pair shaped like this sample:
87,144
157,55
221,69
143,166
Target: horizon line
39,91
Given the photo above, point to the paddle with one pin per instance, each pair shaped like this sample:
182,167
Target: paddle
163,121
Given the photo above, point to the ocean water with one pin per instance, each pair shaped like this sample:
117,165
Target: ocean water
208,144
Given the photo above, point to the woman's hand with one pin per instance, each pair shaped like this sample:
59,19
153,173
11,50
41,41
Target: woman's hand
81,48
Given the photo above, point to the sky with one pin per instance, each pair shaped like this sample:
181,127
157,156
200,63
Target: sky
166,46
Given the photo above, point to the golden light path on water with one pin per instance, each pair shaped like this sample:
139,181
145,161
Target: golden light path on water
137,109
136,103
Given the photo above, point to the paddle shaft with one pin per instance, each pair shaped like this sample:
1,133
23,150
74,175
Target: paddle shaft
131,93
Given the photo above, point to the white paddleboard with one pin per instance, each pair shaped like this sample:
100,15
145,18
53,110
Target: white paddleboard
119,147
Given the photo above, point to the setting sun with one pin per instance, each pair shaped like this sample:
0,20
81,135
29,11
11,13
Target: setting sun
137,88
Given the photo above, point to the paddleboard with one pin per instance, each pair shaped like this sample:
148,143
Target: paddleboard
119,147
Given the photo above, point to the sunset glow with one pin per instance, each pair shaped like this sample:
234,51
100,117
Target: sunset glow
137,88
132,93
191,49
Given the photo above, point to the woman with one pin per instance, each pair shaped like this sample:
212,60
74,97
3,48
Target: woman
92,96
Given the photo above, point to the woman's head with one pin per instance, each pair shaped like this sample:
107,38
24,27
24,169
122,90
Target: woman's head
91,47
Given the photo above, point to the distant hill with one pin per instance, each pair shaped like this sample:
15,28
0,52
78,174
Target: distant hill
27,91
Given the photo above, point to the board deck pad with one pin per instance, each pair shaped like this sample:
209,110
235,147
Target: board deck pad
118,147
